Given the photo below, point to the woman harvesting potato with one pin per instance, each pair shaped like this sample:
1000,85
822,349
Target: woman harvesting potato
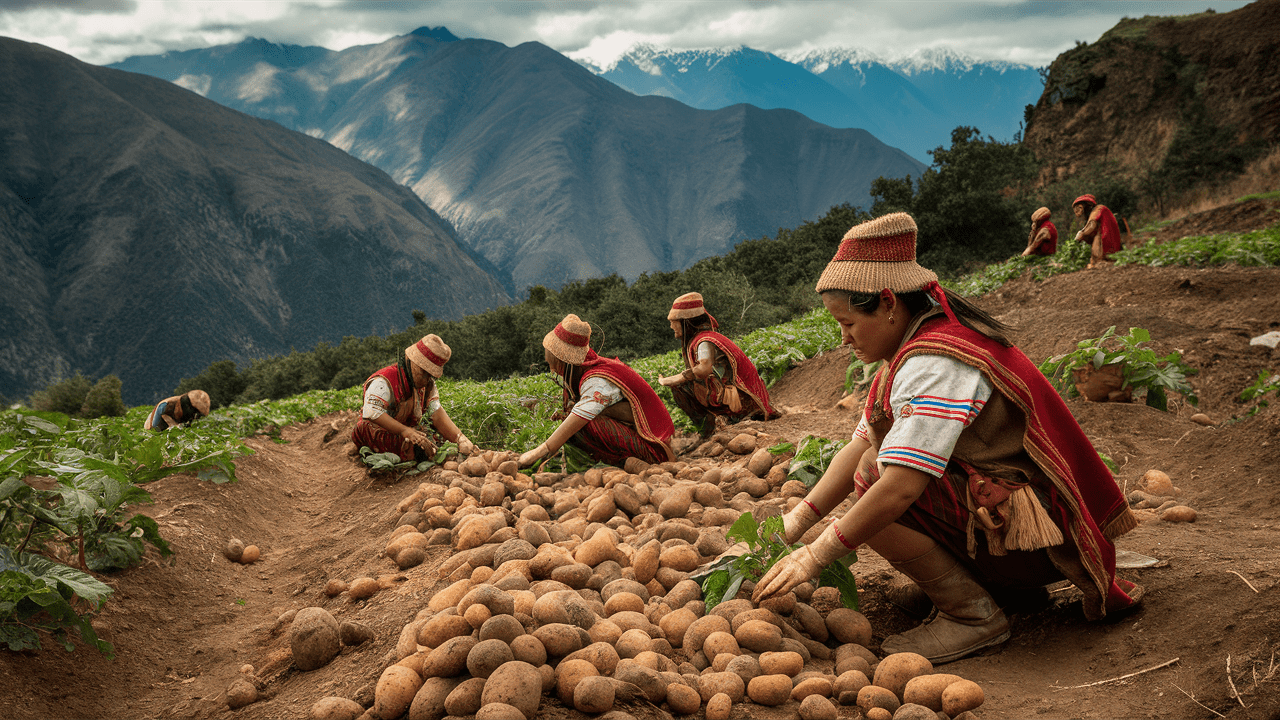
719,380
397,397
610,411
970,471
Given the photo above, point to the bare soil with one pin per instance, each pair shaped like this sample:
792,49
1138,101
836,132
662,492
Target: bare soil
1210,619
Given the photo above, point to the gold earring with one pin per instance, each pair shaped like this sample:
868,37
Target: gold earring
890,318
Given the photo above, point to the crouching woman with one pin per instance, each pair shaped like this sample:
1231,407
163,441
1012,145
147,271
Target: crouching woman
972,476
611,413
397,397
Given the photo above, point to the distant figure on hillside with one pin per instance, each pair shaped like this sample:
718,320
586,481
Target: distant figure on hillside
1043,239
1100,229
972,477
178,410
611,413
718,380
397,397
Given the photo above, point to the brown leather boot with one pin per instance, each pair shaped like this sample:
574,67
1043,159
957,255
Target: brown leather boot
968,619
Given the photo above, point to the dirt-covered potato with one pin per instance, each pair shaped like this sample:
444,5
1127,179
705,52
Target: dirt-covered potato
335,708
499,711
569,673
594,695
559,639
233,550
1179,513
464,700
849,626
927,690
845,688
731,684
335,587
314,638
450,659
528,648
250,555
440,628
241,692
896,670
683,699
487,656
759,636
770,690
362,588
960,696
516,683
819,685
816,707
428,703
395,691
874,696
781,663
719,707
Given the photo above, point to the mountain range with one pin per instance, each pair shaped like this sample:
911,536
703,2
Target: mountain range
912,102
549,172
146,232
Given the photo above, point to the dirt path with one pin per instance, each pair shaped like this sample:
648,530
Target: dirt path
183,630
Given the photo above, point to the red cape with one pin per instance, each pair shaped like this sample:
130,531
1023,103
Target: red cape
745,375
1086,501
653,421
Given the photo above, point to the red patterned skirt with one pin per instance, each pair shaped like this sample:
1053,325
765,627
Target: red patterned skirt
609,441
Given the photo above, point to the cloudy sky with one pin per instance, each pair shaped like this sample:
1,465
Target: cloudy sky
106,31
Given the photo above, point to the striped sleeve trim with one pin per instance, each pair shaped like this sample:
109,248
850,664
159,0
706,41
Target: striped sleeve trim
914,457
960,410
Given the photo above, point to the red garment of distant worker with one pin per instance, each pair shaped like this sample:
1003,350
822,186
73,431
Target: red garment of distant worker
1101,230
1043,239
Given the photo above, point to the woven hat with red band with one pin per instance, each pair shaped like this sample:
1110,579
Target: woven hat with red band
1040,215
200,399
570,340
1085,199
430,353
876,255
688,305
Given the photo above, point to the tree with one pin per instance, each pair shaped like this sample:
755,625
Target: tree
103,399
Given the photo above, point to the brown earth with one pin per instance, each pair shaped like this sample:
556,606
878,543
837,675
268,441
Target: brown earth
182,630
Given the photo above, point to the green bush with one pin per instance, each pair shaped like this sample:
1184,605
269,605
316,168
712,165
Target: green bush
103,400
62,396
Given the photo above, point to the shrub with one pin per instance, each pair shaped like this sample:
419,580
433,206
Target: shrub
62,396
103,400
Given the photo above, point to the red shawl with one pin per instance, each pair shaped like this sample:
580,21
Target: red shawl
1108,230
1087,503
399,396
653,422
1050,246
745,375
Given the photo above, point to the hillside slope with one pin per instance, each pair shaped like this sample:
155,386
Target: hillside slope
1209,77
147,232
549,172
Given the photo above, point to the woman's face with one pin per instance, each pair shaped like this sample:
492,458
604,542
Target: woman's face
675,328
1078,210
872,336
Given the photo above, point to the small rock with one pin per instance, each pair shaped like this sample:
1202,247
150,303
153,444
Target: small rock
353,633
234,549
241,692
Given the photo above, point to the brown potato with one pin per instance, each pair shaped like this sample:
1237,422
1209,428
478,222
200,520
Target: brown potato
250,555
927,690
335,708
960,696
849,626
896,670
594,695
234,549
487,656
874,696
430,698
395,691
464,700
781,663
362,588
516,683
816,707
719,705
568,674
1179,513
314,638
450,659
335,587
820,685
771,690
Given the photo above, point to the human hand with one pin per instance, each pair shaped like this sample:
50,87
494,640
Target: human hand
465,446
797,522
533,455
802,565
417,438
671,381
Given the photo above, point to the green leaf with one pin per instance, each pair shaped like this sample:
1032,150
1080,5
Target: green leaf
745,529
839,576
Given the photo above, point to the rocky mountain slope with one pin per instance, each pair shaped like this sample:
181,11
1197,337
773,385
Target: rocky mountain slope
147,232
1208,78
551,173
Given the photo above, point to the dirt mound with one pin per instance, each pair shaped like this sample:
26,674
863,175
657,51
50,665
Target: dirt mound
183,630
1243,217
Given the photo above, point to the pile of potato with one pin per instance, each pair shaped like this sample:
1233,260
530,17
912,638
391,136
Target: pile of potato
579,586
1157,496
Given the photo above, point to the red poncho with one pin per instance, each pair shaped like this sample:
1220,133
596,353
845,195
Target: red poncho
653,422
745,375
1087,505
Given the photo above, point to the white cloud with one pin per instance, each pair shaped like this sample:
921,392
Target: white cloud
105,31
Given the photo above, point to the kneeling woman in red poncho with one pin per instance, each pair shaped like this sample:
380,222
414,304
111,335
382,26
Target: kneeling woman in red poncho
397,397
719,380
972,475
612,413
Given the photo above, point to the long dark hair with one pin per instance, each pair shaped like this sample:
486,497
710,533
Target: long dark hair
690,327
918,301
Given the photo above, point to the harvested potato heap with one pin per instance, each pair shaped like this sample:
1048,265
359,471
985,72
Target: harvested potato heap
597,608
1158,496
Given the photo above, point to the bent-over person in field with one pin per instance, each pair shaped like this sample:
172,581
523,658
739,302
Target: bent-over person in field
1043,239
178,410
1100,230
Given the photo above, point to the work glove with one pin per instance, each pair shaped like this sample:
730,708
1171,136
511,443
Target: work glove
802,565
797,522
465,446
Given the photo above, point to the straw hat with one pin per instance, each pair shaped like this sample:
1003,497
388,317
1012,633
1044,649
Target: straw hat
1040,215
200,400
570,340
1085,199
430,353
688,305
876,255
